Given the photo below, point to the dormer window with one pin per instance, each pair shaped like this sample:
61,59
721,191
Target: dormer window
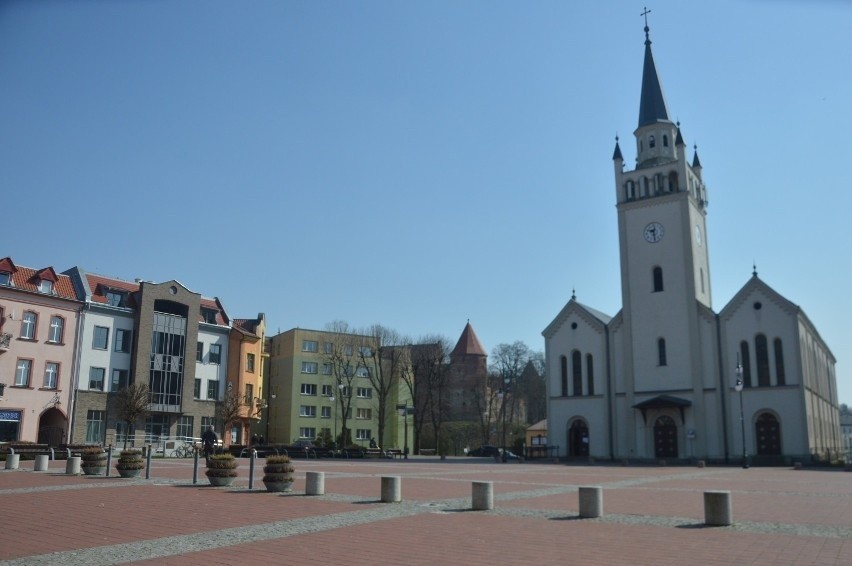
45,286
5,278
209,315
115,298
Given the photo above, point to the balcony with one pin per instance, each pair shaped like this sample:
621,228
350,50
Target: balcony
5,341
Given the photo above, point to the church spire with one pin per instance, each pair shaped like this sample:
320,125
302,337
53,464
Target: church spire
652,105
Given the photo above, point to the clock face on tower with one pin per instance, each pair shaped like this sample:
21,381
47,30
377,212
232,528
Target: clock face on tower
653,232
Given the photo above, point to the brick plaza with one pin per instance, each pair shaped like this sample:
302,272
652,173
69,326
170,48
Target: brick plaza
652,515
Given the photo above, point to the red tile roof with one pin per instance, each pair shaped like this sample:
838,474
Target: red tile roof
27,279
468,344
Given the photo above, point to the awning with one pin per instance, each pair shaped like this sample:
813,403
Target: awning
663,402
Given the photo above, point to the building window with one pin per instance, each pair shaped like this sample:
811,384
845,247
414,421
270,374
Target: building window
115,298
363,434
309,345
309,389
250,363
661,352
761,350
5,278
309,367
326,412
196,391
96,379
122,340
658,279
652,142
28,325
563,367
665,140
346,391
208,315
365,393
308,432
51,375
746,364
45,286
22,374
328,347
199,352
577,373
327,391
95,426
184,427
590,374
249,393
365,352
307,411
347,350
119,379
364,414
362,372
57,325
215,353
780,377
326,369
212,390
101,338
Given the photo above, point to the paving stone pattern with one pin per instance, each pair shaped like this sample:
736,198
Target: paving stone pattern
652,515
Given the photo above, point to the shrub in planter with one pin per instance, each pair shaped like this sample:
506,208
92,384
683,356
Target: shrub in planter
221,469
130,463
278,473
93,461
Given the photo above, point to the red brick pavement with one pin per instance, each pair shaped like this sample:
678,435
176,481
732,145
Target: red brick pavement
94,512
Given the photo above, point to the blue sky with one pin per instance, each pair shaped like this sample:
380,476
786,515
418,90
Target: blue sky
419,164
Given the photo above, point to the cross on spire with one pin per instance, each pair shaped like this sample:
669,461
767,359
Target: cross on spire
647,29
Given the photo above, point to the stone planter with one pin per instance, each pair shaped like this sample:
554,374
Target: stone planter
221,469
217,481
93,462
130,463
278,486
278,473
129,473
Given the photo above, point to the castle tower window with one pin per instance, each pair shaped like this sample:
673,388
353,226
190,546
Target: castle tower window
658,279
661,352
651,142
665,140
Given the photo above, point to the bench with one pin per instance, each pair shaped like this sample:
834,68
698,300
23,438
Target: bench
394,453
352,452
375,453
25,449
427,451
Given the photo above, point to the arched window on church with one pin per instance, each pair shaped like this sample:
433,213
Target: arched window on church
673,181
701,273
661,352
645,190
658,279
590,374
651,141
761,351
746,363
780,377
577,372
665,140
563,362
630,190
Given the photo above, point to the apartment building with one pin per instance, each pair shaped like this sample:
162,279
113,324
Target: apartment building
320,385
246,362
39,314
141,330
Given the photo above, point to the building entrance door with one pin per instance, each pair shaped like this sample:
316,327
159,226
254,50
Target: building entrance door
768,435
578,438
665,438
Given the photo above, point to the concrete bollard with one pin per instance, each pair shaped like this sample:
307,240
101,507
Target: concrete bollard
591,502
702,463
13,461
391,489
797,466
315,483
717,508
41,463
72,466
482,497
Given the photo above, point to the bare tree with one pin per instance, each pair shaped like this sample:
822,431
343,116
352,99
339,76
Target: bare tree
488,405
509,361
386,358
132,403
230,409
427,382
343,365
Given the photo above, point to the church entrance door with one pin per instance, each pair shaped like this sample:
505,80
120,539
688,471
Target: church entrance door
665,438
768,434
578,438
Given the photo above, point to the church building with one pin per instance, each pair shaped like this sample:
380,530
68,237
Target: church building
667,377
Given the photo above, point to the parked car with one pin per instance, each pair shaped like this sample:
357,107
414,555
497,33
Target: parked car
484,450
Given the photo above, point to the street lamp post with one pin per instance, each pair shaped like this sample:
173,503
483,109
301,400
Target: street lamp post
404,409
738,387
505,394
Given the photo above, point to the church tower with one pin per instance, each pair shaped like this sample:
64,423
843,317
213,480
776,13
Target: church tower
665,273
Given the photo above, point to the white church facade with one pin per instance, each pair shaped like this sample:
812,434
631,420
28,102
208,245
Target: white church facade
658,380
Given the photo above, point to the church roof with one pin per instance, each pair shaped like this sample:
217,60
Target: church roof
652,105
593,316
468,344
617,153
